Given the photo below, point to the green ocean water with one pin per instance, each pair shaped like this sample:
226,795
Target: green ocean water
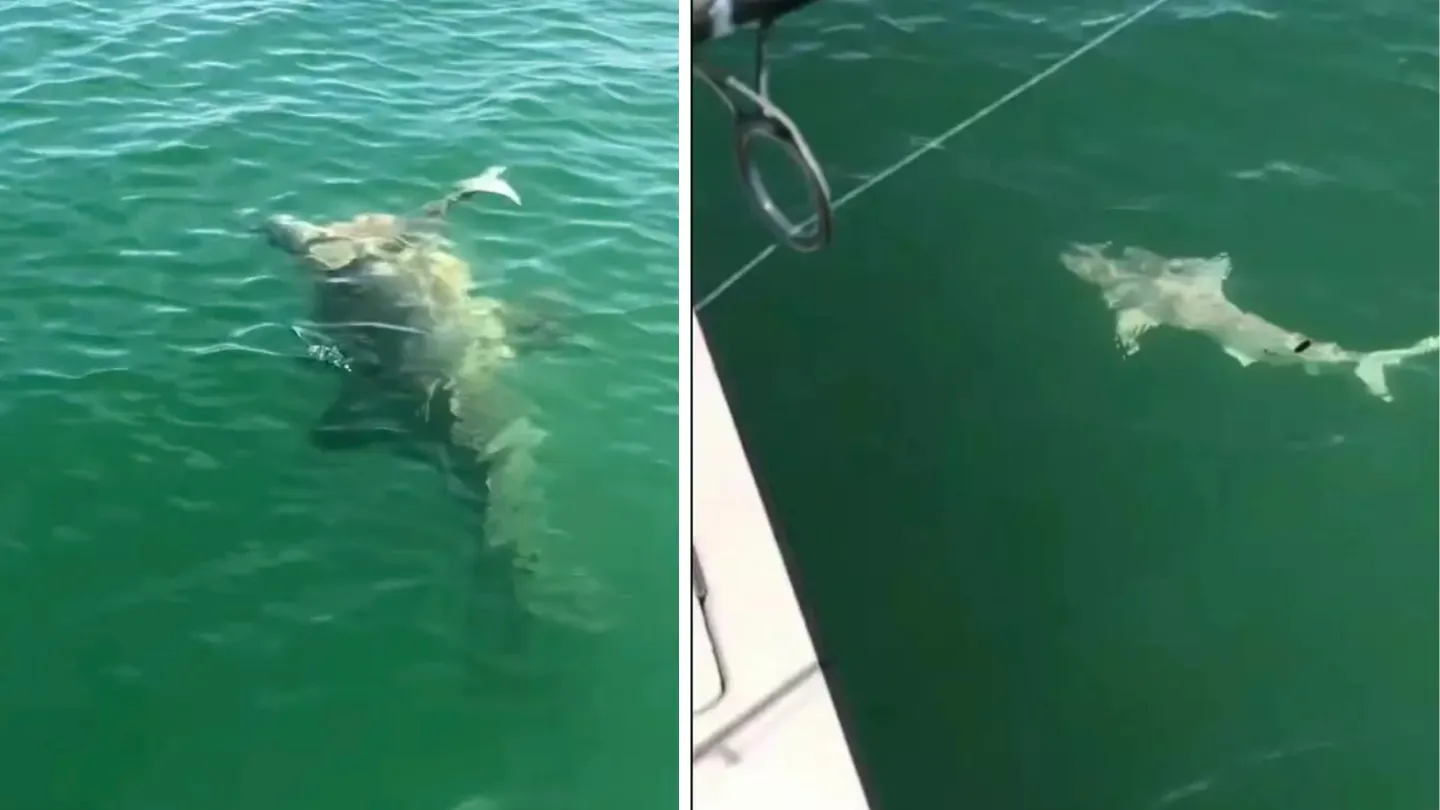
1041,577
197,609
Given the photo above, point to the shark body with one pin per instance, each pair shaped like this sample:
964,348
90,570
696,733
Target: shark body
1146,290
425,374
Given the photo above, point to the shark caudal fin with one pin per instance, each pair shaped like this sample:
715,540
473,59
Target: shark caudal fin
1371,366
491,181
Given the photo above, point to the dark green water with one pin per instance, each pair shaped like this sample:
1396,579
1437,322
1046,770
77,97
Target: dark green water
196,608
1044,578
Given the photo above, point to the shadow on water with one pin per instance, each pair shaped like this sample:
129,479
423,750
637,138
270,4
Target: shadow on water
1040,577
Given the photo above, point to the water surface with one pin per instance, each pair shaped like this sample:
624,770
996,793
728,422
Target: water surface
200,610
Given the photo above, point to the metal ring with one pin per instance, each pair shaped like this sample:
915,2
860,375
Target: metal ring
799,237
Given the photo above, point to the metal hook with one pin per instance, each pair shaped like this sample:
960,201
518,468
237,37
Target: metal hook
758,119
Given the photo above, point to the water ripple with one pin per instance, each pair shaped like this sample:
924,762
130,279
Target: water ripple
149,374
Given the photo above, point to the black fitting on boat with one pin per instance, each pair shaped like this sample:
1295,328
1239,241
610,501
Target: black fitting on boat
716,19
757,118
701,589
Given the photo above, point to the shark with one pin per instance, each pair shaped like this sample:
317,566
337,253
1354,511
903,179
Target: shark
1146,290
424,363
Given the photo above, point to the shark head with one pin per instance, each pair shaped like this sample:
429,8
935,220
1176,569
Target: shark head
371,240
1090,263
290,234
316,248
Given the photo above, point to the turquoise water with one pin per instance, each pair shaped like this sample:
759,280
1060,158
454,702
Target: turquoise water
198,609
1044,577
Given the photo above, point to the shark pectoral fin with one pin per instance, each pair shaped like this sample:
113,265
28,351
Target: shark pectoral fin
1240,357
1130,324
331,438
532,327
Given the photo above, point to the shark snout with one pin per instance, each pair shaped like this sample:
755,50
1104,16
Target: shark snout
1089,263
287,233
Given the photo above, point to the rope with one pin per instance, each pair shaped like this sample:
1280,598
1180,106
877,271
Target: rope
930,146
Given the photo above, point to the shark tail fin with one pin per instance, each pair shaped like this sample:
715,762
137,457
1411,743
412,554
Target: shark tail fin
491,181
1371,366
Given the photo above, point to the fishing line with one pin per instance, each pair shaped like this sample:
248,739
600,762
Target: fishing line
935,143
